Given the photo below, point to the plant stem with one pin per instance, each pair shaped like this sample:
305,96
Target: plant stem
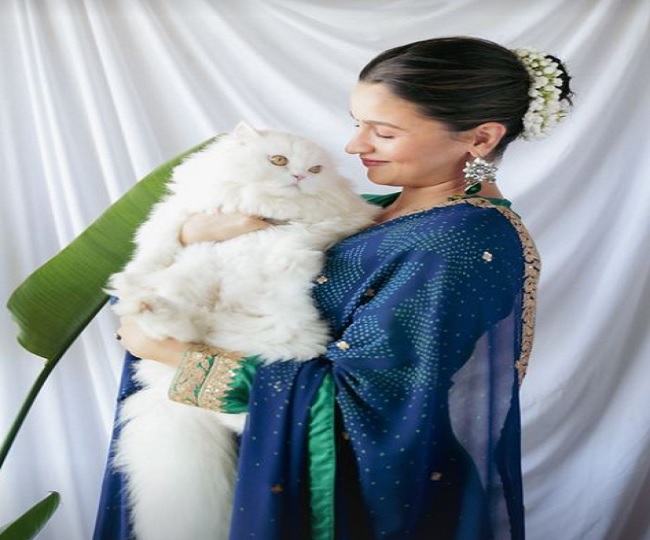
24,409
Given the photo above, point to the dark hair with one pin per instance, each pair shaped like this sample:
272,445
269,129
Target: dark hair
460,81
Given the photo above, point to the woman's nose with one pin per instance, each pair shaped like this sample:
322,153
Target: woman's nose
358,144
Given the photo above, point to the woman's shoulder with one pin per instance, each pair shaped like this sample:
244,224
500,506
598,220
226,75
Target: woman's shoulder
493,230
451,232
492,218
461,230
471,217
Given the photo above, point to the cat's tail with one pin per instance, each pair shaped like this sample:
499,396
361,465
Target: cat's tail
180,466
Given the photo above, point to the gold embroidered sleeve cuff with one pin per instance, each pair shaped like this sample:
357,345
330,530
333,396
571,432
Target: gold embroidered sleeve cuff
205,377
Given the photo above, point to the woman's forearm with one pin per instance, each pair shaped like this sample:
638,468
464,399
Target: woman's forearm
133,339
218,227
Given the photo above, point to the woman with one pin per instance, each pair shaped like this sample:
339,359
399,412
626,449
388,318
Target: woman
408,428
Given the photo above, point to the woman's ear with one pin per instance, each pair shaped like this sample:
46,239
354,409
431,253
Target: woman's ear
486,138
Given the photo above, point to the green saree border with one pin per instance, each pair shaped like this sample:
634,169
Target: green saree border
322,461
235,399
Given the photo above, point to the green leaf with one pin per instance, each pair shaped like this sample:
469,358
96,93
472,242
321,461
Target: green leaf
24,410
31,522
57,301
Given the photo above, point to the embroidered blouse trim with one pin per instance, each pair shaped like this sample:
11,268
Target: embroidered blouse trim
532,268
204,377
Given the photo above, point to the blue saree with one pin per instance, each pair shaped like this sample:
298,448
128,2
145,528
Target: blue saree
408,427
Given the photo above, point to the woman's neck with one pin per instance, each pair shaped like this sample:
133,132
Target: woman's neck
412,200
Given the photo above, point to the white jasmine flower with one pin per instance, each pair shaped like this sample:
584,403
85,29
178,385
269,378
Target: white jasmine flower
545,108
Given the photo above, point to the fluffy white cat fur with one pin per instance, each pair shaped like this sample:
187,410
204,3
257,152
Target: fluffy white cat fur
250,294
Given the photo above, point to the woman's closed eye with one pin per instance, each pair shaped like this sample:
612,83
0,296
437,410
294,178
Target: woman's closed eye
357,125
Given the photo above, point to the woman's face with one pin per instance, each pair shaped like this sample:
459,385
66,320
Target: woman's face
398,145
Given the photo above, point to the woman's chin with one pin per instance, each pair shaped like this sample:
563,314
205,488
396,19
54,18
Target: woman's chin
380,179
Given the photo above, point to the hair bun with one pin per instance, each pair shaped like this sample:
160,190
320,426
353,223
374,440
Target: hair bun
549,93
565,90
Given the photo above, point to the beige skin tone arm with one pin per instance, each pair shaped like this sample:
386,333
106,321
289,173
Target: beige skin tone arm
134,340
214,227
218,227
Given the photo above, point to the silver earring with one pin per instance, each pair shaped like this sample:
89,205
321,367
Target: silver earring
476,171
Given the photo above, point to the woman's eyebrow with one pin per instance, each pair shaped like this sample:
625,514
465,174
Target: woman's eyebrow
377,123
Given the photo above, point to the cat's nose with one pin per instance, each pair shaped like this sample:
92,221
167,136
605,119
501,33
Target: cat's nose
299,177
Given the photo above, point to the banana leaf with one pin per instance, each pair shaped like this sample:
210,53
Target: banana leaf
31,522
58,300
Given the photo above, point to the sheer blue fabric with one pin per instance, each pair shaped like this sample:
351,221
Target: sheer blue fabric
432,317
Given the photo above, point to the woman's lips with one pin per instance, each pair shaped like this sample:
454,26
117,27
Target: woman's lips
371,162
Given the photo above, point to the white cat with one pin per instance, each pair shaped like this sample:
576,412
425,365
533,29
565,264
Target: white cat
250,294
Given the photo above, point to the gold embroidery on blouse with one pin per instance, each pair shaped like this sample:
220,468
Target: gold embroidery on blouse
204,376
532,268
190,375
218,381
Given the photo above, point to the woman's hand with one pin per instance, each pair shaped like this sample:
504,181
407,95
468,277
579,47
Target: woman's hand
217,227
134,340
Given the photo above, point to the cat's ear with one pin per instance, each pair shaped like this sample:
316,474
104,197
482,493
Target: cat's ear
244,129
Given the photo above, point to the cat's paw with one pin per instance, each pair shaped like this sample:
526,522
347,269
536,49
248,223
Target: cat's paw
131,291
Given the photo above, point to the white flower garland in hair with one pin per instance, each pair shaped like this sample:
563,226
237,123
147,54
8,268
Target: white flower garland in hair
546,108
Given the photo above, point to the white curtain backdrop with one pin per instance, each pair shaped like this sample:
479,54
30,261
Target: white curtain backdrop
96,93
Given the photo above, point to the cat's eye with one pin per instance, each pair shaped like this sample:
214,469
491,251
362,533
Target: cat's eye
278,160
315,169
